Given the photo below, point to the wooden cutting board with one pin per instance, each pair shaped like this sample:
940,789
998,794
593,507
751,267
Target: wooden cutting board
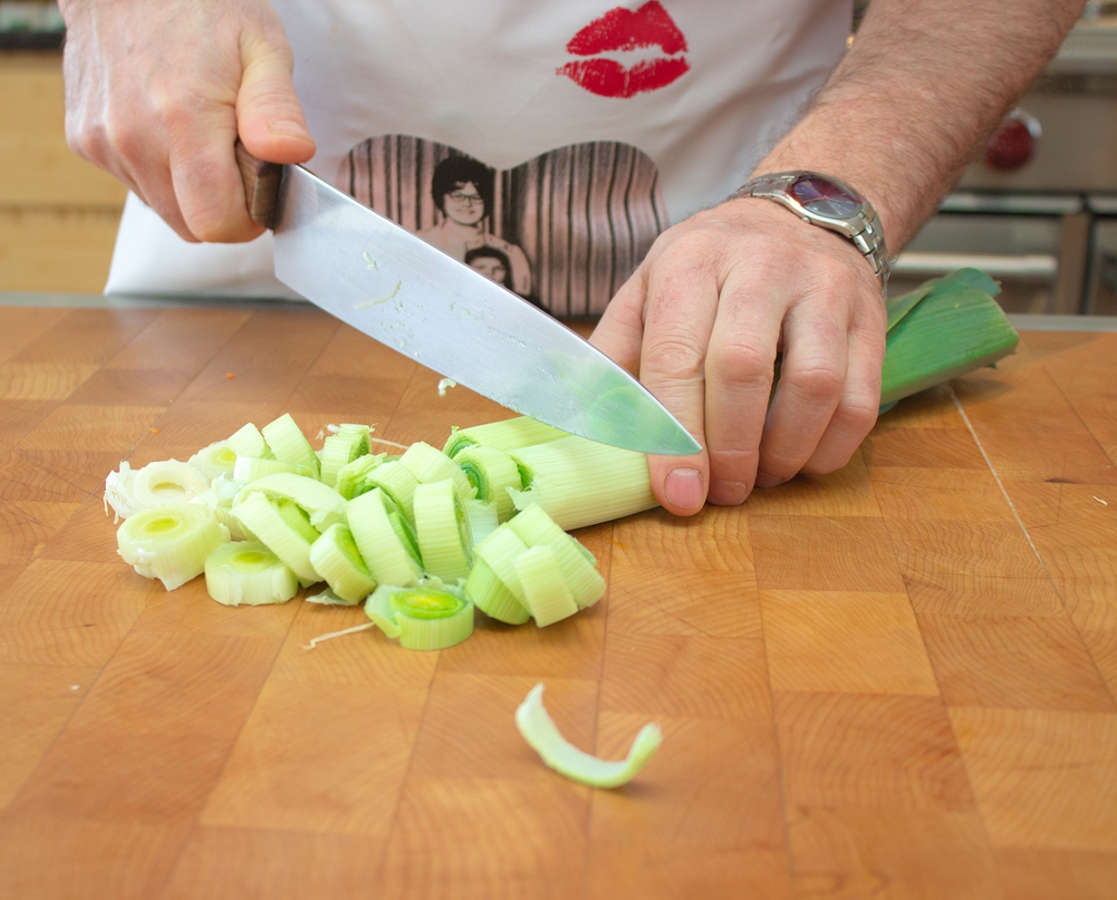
894,681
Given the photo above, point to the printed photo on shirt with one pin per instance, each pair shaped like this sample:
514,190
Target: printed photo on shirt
563,230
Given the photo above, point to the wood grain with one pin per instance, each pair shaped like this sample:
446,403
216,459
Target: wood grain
894,681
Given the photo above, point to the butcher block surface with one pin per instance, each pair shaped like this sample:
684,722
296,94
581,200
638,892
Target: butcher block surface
895,681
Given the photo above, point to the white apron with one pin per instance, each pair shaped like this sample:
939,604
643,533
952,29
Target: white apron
597,126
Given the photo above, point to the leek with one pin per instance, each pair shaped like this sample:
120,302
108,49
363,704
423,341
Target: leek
491,472
340,449
580,482
546,594
219,497
383,540
494,584
336,559
397,483
442,531
170,542
282,526
429,465
535,528
509,434
247,573
352,478
539,730
247,441
252,468
287,442
323,505
215,459
422,618
946,328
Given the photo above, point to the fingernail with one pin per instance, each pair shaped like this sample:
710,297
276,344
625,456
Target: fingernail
683,488
764,480
727,493
288,127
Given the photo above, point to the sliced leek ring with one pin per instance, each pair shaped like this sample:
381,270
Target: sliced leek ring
352,478
278,528
166,482
545,592
322,503
539,730
422,618
247,441
509,434
442,530
215,460
252,468
390,557
340,449
247,573
429,465
491,472
170,542
335,557
535,528
287,442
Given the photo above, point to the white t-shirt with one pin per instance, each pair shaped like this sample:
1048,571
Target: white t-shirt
598,126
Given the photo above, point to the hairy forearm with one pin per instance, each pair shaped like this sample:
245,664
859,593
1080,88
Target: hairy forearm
923,85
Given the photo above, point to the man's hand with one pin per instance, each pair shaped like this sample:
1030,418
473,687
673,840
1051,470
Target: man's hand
701,322
157,93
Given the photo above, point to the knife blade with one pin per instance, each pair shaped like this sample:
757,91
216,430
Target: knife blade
390,284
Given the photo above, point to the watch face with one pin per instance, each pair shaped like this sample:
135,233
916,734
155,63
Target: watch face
824,198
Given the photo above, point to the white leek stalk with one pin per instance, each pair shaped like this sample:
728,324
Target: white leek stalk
247,573
442,531
383,540
581,482
335,557
429,465
287,442
492,472
422,618
510,434
169,481
170,542
539,730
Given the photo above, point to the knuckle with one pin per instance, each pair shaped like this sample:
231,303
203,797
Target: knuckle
817,380
674,356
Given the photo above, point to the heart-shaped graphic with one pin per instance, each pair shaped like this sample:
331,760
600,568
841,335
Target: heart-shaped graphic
564,230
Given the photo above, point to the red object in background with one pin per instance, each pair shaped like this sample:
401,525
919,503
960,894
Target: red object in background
1014,142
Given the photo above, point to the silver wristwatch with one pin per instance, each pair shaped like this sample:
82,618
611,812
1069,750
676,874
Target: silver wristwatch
829,203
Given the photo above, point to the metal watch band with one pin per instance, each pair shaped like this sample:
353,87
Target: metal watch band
864,228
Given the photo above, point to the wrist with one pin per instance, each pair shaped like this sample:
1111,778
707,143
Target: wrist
827,202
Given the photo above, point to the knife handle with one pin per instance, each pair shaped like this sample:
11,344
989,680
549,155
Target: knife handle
261,186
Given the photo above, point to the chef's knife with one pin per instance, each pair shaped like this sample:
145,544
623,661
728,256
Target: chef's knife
390,284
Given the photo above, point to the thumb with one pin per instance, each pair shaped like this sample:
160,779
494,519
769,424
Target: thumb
270,120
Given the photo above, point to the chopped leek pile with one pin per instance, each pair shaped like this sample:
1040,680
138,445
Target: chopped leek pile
539,730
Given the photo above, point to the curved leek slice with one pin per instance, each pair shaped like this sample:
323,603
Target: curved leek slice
491,472
222,491
322,503
119,494
287,442
536,528
539,730
581,482
171,542
389,557
442,530
493,583
277,528
247,441
429,465
398,484
481,517
545,592
352,478
247,573
252,468
340,449
422,618
335,557
510,434
214,460
169,481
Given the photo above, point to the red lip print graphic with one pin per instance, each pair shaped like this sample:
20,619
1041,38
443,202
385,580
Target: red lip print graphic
622,29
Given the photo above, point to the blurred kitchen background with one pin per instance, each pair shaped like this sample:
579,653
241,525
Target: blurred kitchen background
1037,208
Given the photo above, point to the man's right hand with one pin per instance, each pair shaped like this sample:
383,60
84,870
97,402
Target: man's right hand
157,93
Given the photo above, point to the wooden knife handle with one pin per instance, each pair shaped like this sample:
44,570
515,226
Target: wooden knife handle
261,186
